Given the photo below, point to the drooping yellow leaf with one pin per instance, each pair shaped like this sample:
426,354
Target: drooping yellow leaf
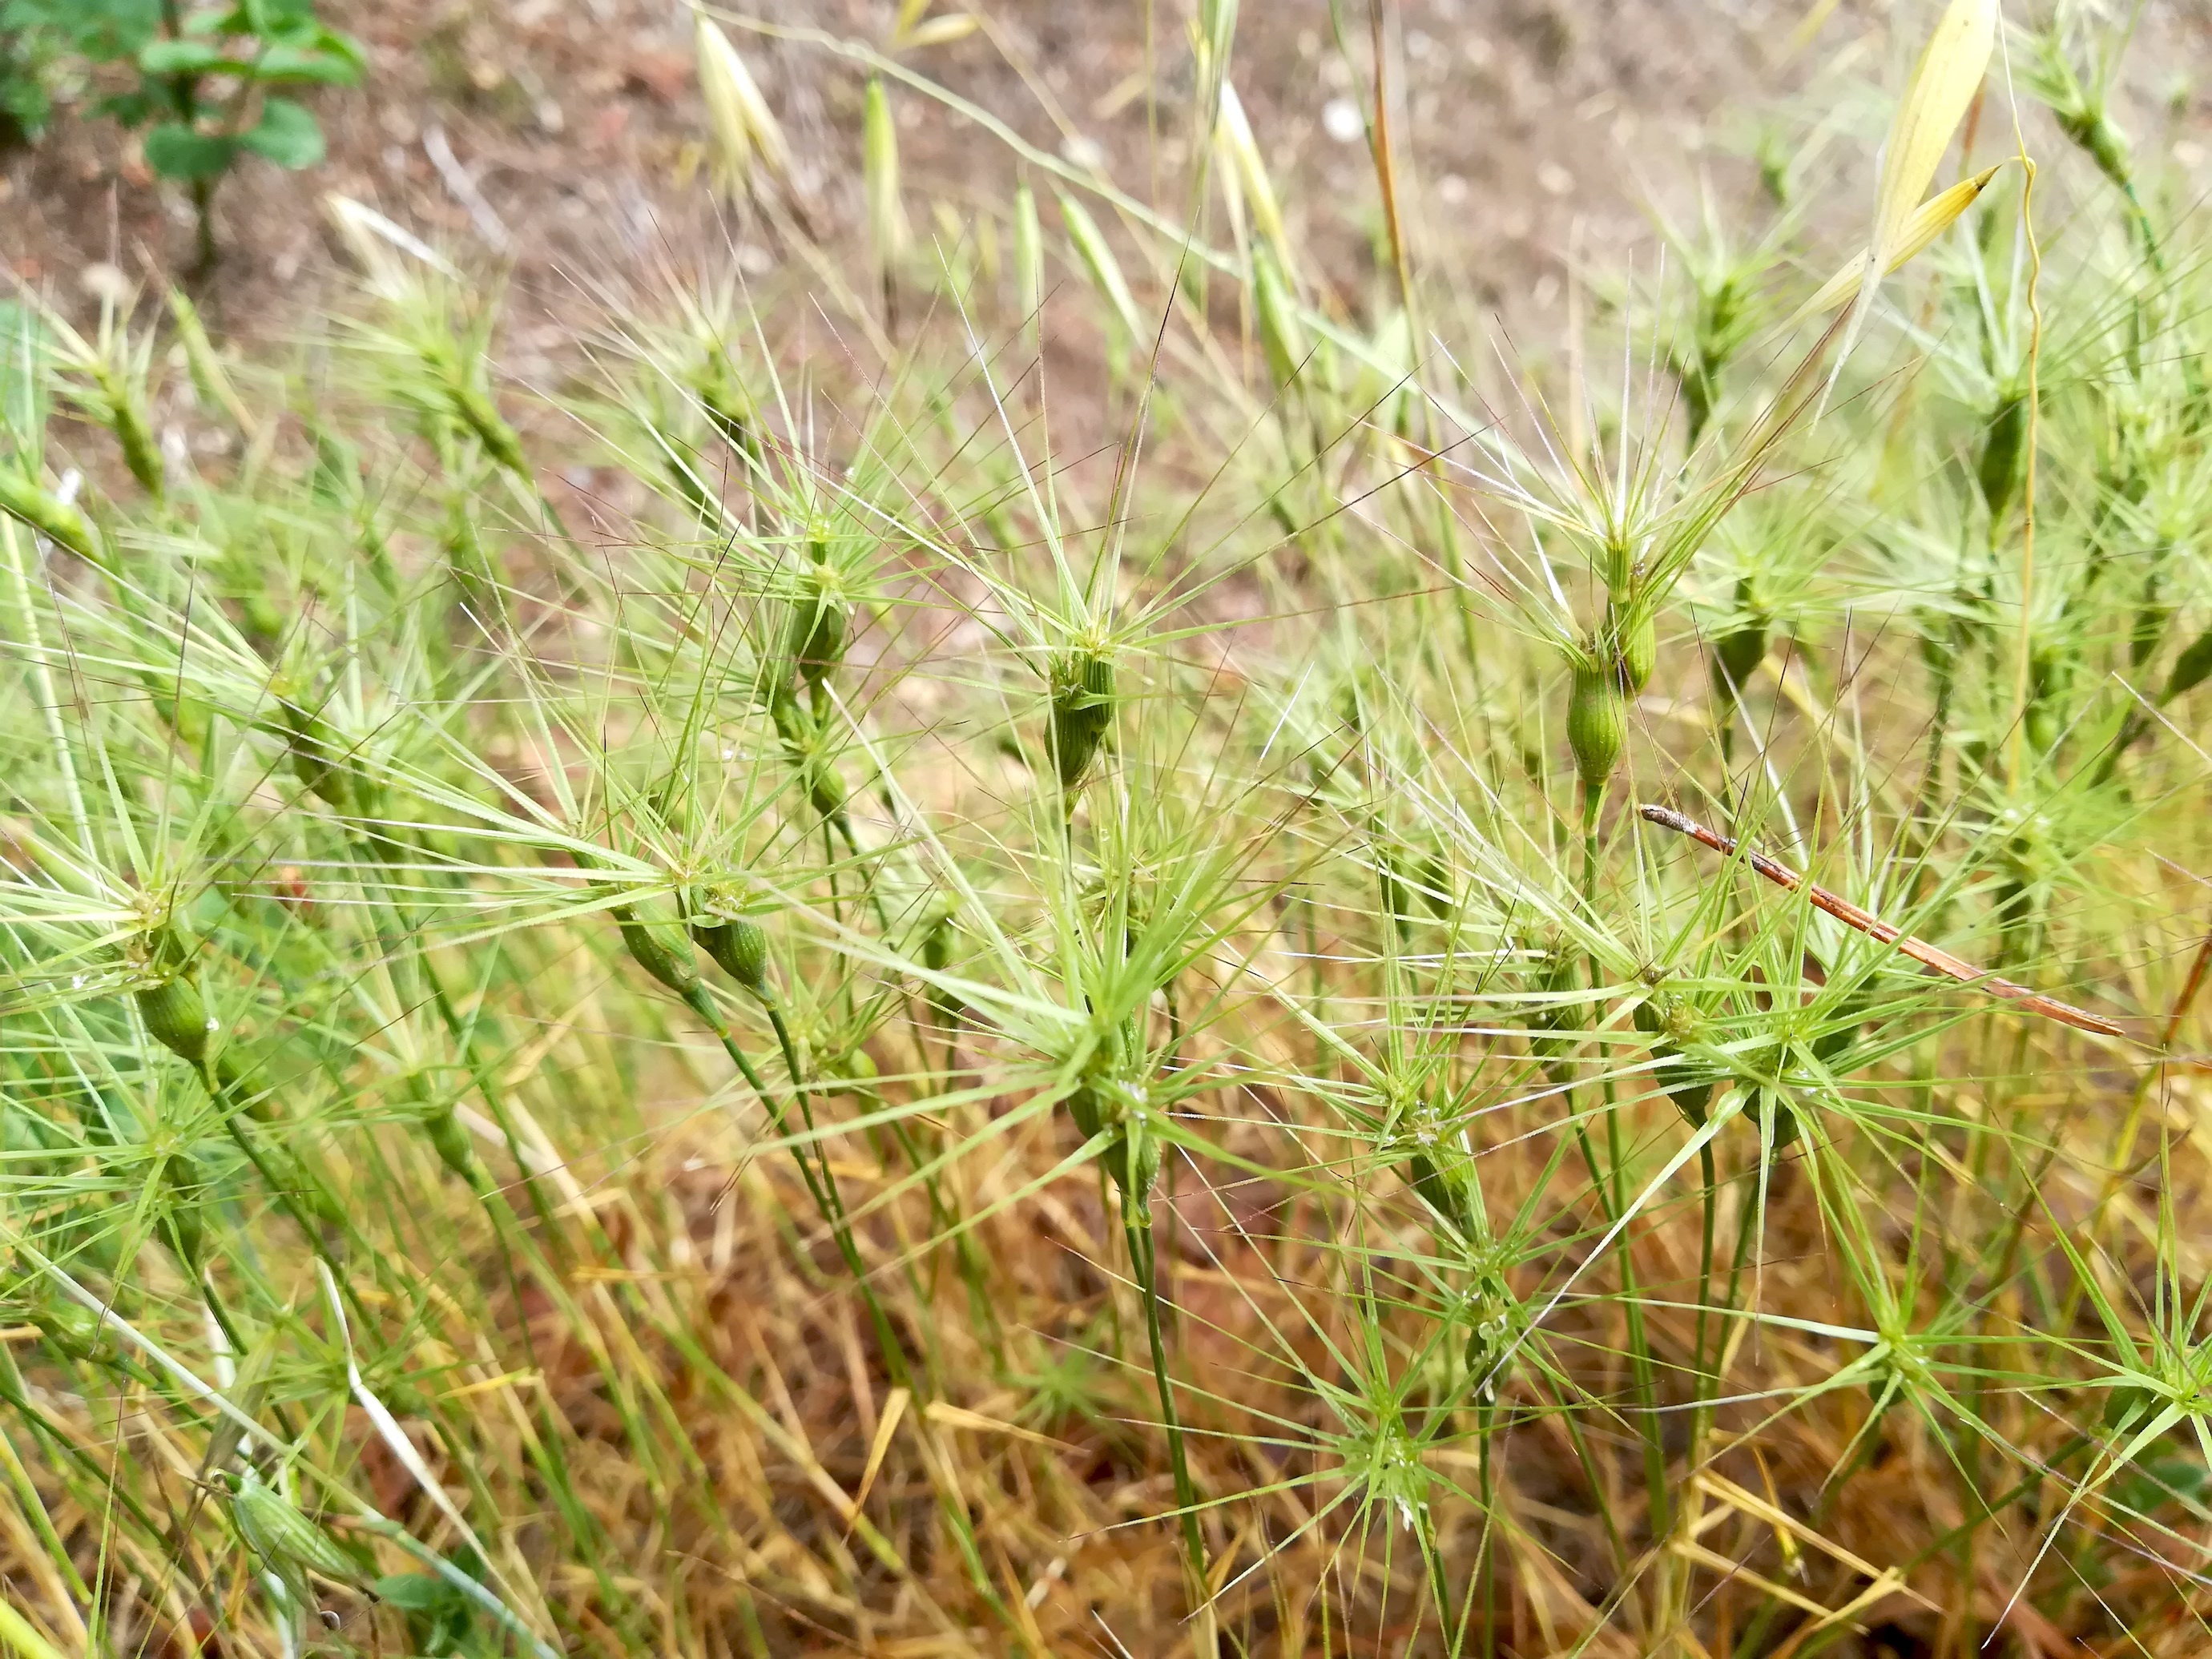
1233,133
1944,81
1934,216
743,125
1942,86
942,31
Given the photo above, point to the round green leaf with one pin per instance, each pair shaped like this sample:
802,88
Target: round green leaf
298,65
288,135
181,58
175,151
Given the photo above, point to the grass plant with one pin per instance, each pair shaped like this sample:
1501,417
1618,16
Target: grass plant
1095,970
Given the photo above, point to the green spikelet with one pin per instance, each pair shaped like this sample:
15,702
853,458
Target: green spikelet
1739,652
1998,472
319,759
659,949
441,1127
289,1543
729,407
469,404
1082,712
1097,255
1555,975
815,643
1597,723
739,946
1437,1163
888,234
176,1015
171,1005
1672,1021
126,413
2189,668
1633,632
2152,619
21,497
802,743
937,942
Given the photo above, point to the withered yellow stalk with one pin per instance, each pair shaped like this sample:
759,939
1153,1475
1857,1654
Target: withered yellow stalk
743,125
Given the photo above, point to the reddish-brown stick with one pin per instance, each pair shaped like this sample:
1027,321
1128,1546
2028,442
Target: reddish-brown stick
1874,927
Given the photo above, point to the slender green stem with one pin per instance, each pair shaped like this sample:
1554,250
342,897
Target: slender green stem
1139,1233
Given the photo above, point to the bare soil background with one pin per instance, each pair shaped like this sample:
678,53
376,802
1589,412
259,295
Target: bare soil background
576,126
565,138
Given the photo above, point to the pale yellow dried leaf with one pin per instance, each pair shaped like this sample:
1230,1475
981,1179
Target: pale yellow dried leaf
743,125
887,225
1934,216
1944,81
1233,131
1943,85
1029,255
1097,258
942,31
886,1426
725,115
1809,26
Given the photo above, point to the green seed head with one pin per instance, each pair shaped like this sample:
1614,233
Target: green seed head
474,409
22,497
1739,652
168,995
739,946
2152,619
1634,633
888,234
451,1142
287,1541
178,1018
1555,973
1136,1171
320,757
1619,567
2191,668
1119,1104
1436,1161
659,949
937,944
441,1127
1673,1022
1999,470
1029,255
1597,723
816,643
1081,711
118,403
713,379
2050,672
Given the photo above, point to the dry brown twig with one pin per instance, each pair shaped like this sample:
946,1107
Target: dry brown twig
1874,927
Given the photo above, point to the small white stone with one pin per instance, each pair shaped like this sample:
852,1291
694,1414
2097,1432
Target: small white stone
105,284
